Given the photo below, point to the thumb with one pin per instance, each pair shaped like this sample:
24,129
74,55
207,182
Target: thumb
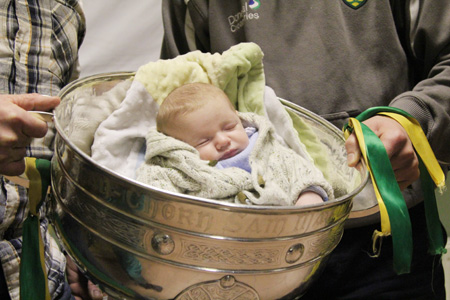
353,151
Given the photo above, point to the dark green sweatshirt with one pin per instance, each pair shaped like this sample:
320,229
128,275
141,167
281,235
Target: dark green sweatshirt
334,58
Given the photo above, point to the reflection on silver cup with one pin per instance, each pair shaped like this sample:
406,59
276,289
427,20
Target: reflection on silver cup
139,242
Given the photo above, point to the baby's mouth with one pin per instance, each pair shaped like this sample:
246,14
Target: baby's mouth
228,154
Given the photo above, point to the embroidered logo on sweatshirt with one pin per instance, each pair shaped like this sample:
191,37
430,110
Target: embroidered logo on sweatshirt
254,4
355,4
247,13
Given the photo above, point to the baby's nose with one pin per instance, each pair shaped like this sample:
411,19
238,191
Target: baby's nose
222,141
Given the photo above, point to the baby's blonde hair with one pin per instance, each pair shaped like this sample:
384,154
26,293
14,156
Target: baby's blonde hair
186,99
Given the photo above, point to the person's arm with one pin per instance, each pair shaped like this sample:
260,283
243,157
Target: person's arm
18,127
185,27
428,43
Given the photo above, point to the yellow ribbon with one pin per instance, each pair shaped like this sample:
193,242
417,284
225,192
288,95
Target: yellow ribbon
423,149
385,224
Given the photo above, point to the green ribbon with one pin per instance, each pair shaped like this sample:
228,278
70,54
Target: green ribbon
393,199
33,275
436,242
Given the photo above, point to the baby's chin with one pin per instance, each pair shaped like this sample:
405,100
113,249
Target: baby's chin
212,157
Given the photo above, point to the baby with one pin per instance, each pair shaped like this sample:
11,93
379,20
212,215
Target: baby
202,116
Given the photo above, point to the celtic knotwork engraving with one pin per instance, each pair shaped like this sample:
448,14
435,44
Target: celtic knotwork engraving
106,222
230,256
215,290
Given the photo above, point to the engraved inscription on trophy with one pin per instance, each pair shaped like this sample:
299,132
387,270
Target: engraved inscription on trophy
177,215
255,224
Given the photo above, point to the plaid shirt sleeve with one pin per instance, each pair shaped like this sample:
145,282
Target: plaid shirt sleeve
38,54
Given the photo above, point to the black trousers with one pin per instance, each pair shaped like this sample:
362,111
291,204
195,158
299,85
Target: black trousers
4,294
352,274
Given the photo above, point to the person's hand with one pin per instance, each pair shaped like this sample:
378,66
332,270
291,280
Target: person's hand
308,198
18,127
398,147
81,287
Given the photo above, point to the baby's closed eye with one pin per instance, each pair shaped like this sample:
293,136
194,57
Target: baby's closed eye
202,143
230,126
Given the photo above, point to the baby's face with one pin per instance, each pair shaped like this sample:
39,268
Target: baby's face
215,130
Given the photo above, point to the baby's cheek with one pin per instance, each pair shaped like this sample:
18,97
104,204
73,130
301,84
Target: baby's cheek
246,142
202,154
208,153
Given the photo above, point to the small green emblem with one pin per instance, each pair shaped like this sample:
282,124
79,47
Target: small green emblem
355,4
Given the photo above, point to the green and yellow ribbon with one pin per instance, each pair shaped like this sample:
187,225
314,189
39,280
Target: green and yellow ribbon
33,273
394,214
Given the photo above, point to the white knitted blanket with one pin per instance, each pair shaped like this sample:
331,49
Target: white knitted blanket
173,165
